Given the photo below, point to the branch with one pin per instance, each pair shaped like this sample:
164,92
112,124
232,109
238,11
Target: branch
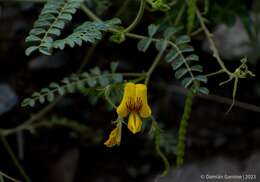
137,18
15,160
153,66
212,44
8,177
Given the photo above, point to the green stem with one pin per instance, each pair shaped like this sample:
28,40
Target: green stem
226,81
83,7
196,32
212,43
157,140
45,110
215,73
122,9
7,177
233,95
160,153
107,96
183,129
137,18
153,66
31,120
132,74
89,53
33,1
89,13
15,161
178,18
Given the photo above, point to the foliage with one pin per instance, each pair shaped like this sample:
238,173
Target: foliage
183,129
180,55
169,141
178,22
229,11
102,6
51,22
158,5
157,135
191,15
53,17
88,32
76,82
62,122
159,152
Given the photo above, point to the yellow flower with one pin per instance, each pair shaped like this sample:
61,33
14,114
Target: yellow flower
114,136
134,102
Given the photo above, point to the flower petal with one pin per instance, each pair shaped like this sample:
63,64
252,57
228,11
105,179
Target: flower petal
141,92
114,136
129,93
134,123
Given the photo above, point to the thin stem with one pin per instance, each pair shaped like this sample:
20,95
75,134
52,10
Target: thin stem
91,50
83,7
160,153
107,94
89,13
196,32
215,73
23,126
87,57
185,63
45,110
233,95
132,74
110,102
153,66
15,161
32,119
208,34
173,3
137,18
226,81
33,1
183,129
157,140
139,79
112,30
135,36
8,177
212,43
213,98
122,9
178,18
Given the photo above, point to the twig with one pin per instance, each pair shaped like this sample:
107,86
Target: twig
153,66
183,129
215,73
212,44
31,120
179,16
89,53
122,9
157,141
15,160
137,18
89,13
8,177
22,1
196,32
215,98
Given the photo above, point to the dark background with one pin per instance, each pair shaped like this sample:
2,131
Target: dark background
61,154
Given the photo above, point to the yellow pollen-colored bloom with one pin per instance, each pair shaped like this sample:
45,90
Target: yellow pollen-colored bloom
114,136
134,102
